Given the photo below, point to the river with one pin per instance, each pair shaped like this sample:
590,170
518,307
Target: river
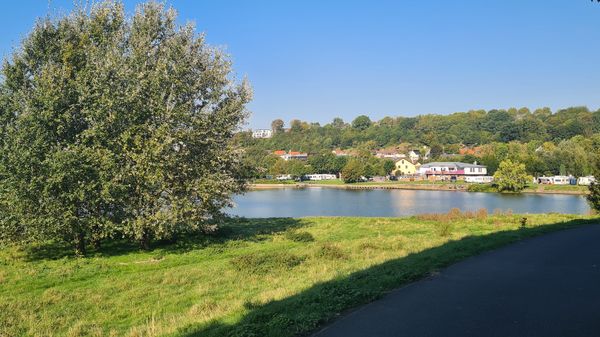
316,201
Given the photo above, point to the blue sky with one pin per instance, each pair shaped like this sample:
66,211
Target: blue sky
316,60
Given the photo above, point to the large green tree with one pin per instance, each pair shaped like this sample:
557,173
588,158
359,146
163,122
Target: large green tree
511,176
353,171
118,125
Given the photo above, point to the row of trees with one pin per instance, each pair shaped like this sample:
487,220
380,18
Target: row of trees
578,156
116,127
470,128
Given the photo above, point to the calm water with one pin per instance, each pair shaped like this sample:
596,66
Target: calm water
338,202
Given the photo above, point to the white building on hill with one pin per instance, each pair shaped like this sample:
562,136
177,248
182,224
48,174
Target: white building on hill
262,133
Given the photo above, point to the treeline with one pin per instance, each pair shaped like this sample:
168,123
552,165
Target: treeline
564,142
469,128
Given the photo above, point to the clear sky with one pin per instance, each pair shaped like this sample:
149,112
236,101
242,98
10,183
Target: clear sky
315,60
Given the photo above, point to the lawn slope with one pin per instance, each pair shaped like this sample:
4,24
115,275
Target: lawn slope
258,277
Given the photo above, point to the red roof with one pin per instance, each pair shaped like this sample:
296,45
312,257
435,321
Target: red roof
279,152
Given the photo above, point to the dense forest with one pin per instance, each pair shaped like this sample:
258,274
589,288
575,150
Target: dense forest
566,141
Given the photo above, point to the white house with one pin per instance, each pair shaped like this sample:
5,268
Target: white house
414,155
452,169
262,133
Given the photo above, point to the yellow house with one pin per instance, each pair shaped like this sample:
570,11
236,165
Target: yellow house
405,167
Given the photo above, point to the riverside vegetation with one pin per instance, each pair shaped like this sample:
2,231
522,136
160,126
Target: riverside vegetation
267,277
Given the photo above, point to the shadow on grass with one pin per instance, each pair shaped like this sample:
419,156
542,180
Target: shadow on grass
303,313
240,229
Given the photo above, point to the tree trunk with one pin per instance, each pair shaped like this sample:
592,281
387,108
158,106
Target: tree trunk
96,244
80,244
145,241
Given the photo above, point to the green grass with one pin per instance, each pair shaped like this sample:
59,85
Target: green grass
557,188
259,277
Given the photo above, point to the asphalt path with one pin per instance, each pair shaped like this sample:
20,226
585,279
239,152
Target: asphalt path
544,286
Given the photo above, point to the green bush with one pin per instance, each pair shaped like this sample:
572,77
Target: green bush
481,188
301,236
594,197
263,262
329,251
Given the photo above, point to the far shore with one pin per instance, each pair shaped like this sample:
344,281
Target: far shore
407,186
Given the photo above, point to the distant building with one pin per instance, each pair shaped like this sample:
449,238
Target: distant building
340,153
344,153
291,155
414,155
405,167
474,151
320,176
452,169
389,154
262,133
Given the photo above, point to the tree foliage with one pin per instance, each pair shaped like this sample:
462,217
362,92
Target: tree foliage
117,126
594,197
511,176
353,171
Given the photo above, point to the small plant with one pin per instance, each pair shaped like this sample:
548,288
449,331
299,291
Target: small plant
332,252
455,213
482,214
261,263
299,236
444,229
523,222
367,246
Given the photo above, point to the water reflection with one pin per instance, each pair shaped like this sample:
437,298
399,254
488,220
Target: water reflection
337,202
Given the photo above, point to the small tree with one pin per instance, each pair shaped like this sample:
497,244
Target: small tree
277,126
353,171
389,166
361,123
511,176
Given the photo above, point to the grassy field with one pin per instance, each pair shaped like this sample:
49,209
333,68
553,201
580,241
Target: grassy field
258,277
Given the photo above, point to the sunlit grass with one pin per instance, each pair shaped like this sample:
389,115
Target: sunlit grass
221,285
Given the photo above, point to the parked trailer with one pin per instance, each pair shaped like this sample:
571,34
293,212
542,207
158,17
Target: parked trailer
479,179
586,181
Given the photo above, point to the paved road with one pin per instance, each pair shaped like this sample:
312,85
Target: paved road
545,286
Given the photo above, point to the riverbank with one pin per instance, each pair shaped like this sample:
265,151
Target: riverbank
268,277
540,189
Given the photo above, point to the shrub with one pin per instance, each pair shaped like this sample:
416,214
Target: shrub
329,251
523,222
299,236
482,214
594,197
264,262
444,228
